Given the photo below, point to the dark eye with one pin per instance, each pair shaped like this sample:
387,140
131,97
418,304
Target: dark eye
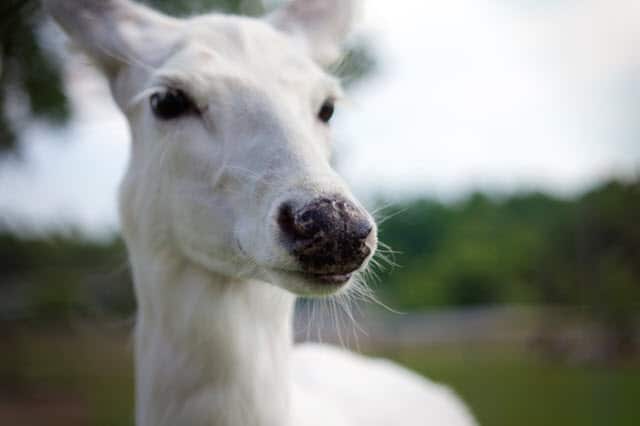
170,104
326,112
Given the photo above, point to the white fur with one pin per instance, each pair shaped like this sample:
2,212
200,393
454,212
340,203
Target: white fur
215,287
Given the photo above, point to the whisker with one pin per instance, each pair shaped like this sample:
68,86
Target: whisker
382,220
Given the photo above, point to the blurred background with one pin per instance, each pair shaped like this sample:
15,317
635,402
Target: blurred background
498,142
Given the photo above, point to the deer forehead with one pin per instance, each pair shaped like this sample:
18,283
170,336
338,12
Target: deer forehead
217,51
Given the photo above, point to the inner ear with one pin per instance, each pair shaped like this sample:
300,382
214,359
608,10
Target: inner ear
115,33
322,25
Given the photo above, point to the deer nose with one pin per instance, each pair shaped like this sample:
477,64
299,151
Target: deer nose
327,235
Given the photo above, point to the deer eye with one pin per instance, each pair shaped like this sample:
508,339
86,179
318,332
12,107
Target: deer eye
170,104
326,111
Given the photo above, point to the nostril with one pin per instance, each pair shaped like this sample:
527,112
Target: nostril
286,220
308,222
301,224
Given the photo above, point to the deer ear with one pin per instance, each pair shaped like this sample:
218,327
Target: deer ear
115,32
322,25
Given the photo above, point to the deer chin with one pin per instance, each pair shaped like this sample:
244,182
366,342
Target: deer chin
306,284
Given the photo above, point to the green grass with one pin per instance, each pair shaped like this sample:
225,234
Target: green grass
504,387
507,388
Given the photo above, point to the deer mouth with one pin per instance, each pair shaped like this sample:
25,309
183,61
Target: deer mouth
304,283
331,279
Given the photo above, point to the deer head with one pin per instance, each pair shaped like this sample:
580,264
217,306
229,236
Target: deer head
230,122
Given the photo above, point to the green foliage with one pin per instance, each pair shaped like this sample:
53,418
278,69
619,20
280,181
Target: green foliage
479,251
597,263
525,249
26,71
188,7
54,277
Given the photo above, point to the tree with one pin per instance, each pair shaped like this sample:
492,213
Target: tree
27,72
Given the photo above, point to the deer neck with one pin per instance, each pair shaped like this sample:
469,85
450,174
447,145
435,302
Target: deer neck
209,350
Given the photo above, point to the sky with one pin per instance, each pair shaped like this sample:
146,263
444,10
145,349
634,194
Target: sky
495,95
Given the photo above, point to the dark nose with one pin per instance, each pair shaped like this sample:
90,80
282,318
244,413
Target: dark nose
327,235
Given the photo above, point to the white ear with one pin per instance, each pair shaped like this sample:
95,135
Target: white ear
321,24
115,32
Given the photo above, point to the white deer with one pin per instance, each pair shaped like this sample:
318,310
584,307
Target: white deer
230,208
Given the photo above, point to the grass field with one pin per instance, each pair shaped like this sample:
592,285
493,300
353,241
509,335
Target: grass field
509,389
84,377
